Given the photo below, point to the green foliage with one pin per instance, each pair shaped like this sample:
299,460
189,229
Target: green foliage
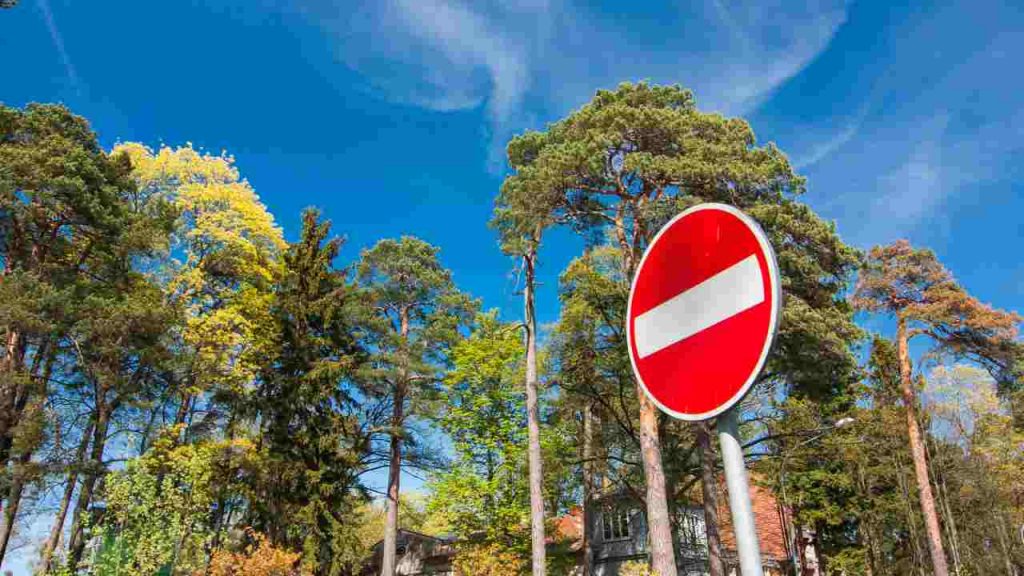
414,510
484,492
416,317
77,311
633,157
260,380
157,509
312,448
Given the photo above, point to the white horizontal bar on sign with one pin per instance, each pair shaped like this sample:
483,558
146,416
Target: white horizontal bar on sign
722,296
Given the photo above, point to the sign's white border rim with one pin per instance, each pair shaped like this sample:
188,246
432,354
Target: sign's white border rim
774,317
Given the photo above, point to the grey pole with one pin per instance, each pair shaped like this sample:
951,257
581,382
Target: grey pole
747,547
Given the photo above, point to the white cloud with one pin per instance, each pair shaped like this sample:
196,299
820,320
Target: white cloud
540,58
825,149
442,55
771,43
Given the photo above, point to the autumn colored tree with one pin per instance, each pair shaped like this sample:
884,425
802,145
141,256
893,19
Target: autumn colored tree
258,558
911,285
221,271
487,560
418,313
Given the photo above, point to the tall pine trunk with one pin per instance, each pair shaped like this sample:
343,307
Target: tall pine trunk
46,556
533,417
76,544
908,508
931,518
589,489
659,525
10,391
709,490
388,561
13,501
30,402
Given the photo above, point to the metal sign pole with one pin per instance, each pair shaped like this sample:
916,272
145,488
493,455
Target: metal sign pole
747,547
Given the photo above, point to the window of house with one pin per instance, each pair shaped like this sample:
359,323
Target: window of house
692,532
693,541
616,524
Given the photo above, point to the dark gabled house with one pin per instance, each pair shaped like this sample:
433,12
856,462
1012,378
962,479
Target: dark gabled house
418,555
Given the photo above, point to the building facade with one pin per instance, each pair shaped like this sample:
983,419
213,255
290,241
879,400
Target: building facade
620,536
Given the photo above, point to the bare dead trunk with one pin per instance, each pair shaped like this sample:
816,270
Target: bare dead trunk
46,556
388,560
589,489
76,544
870,539
931,518
659,526
533,421
945,512
709,490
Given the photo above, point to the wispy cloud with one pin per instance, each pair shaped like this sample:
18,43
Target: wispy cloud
916,187
538,58
947,140
825,149
466,42
58,41
830,144
769,44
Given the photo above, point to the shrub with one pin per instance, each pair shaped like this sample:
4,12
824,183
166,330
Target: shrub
488,560
259,558
636,568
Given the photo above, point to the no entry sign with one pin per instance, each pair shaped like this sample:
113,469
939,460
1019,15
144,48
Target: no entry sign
703,310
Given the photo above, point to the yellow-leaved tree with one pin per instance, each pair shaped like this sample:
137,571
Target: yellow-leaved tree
220,270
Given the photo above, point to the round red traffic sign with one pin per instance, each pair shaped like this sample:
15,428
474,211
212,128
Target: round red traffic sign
703,310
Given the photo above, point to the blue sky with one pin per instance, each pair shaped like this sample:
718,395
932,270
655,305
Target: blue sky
391,115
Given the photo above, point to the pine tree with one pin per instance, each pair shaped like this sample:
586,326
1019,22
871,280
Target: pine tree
418,313
72,227
913,286
634,157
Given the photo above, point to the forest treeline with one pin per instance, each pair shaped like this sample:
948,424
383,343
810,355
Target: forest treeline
183,391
